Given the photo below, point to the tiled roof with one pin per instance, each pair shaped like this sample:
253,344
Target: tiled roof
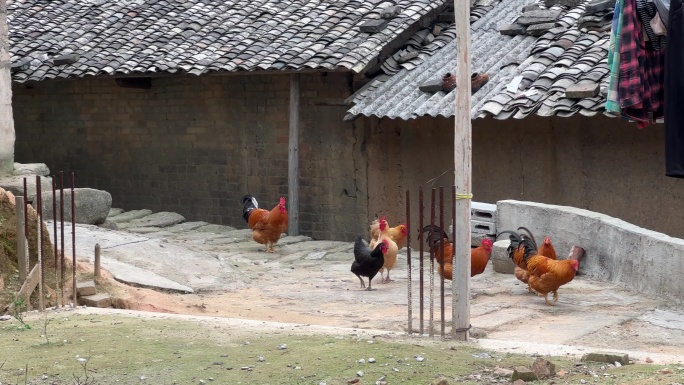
200,36
542,67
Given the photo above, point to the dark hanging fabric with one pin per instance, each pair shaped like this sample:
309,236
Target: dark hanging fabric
647,12
674,92
641,72
663,10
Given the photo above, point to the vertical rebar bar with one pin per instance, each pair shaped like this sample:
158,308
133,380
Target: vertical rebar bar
22,252
61,223
421,209
432,268
441,251
40,265
39,206
73,239
408,262
54,245
26,225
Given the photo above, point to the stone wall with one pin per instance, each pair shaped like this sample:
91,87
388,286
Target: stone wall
196,145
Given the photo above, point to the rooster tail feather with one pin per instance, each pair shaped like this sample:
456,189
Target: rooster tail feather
515,241
534,241
249,203
433,230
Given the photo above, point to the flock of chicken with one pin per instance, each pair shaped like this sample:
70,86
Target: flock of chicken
538,267
386,241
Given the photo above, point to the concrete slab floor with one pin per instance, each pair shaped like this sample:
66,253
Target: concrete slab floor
309,282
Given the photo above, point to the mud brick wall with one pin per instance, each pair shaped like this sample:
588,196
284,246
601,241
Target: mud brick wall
602,164
196,145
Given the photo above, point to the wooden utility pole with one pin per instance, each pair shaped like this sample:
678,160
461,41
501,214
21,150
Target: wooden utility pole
463,173
293,159
7,136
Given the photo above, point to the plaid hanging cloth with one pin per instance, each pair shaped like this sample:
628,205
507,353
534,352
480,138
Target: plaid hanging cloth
641,79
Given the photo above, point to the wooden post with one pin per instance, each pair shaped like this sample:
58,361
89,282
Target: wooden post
22,260
293,158
463,174
6,117
97,260
27,287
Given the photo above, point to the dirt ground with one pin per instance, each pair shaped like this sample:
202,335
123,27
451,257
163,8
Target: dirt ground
251,303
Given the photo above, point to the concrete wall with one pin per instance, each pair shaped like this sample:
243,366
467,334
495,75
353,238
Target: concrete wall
6,120
616,251
601,164
196,145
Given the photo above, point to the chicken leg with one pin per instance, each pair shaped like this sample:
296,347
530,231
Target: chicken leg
363,284
269,247
369,284
555,296
546,299
388,280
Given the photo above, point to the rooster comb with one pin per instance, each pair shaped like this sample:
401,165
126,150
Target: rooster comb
282,201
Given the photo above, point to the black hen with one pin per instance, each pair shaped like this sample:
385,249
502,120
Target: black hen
367,263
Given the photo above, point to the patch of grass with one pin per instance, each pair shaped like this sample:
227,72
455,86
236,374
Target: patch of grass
124,350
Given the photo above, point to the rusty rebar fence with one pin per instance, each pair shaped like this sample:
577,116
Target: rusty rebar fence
59,266
436,216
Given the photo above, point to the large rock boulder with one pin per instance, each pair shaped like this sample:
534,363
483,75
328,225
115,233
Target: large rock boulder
15,184
92,206
31,169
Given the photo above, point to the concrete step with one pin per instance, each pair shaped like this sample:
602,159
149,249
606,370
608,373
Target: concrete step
500,260
96,300
86,288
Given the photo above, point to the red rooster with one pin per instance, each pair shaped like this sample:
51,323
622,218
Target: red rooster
442,249
267,226
545,275
546,249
